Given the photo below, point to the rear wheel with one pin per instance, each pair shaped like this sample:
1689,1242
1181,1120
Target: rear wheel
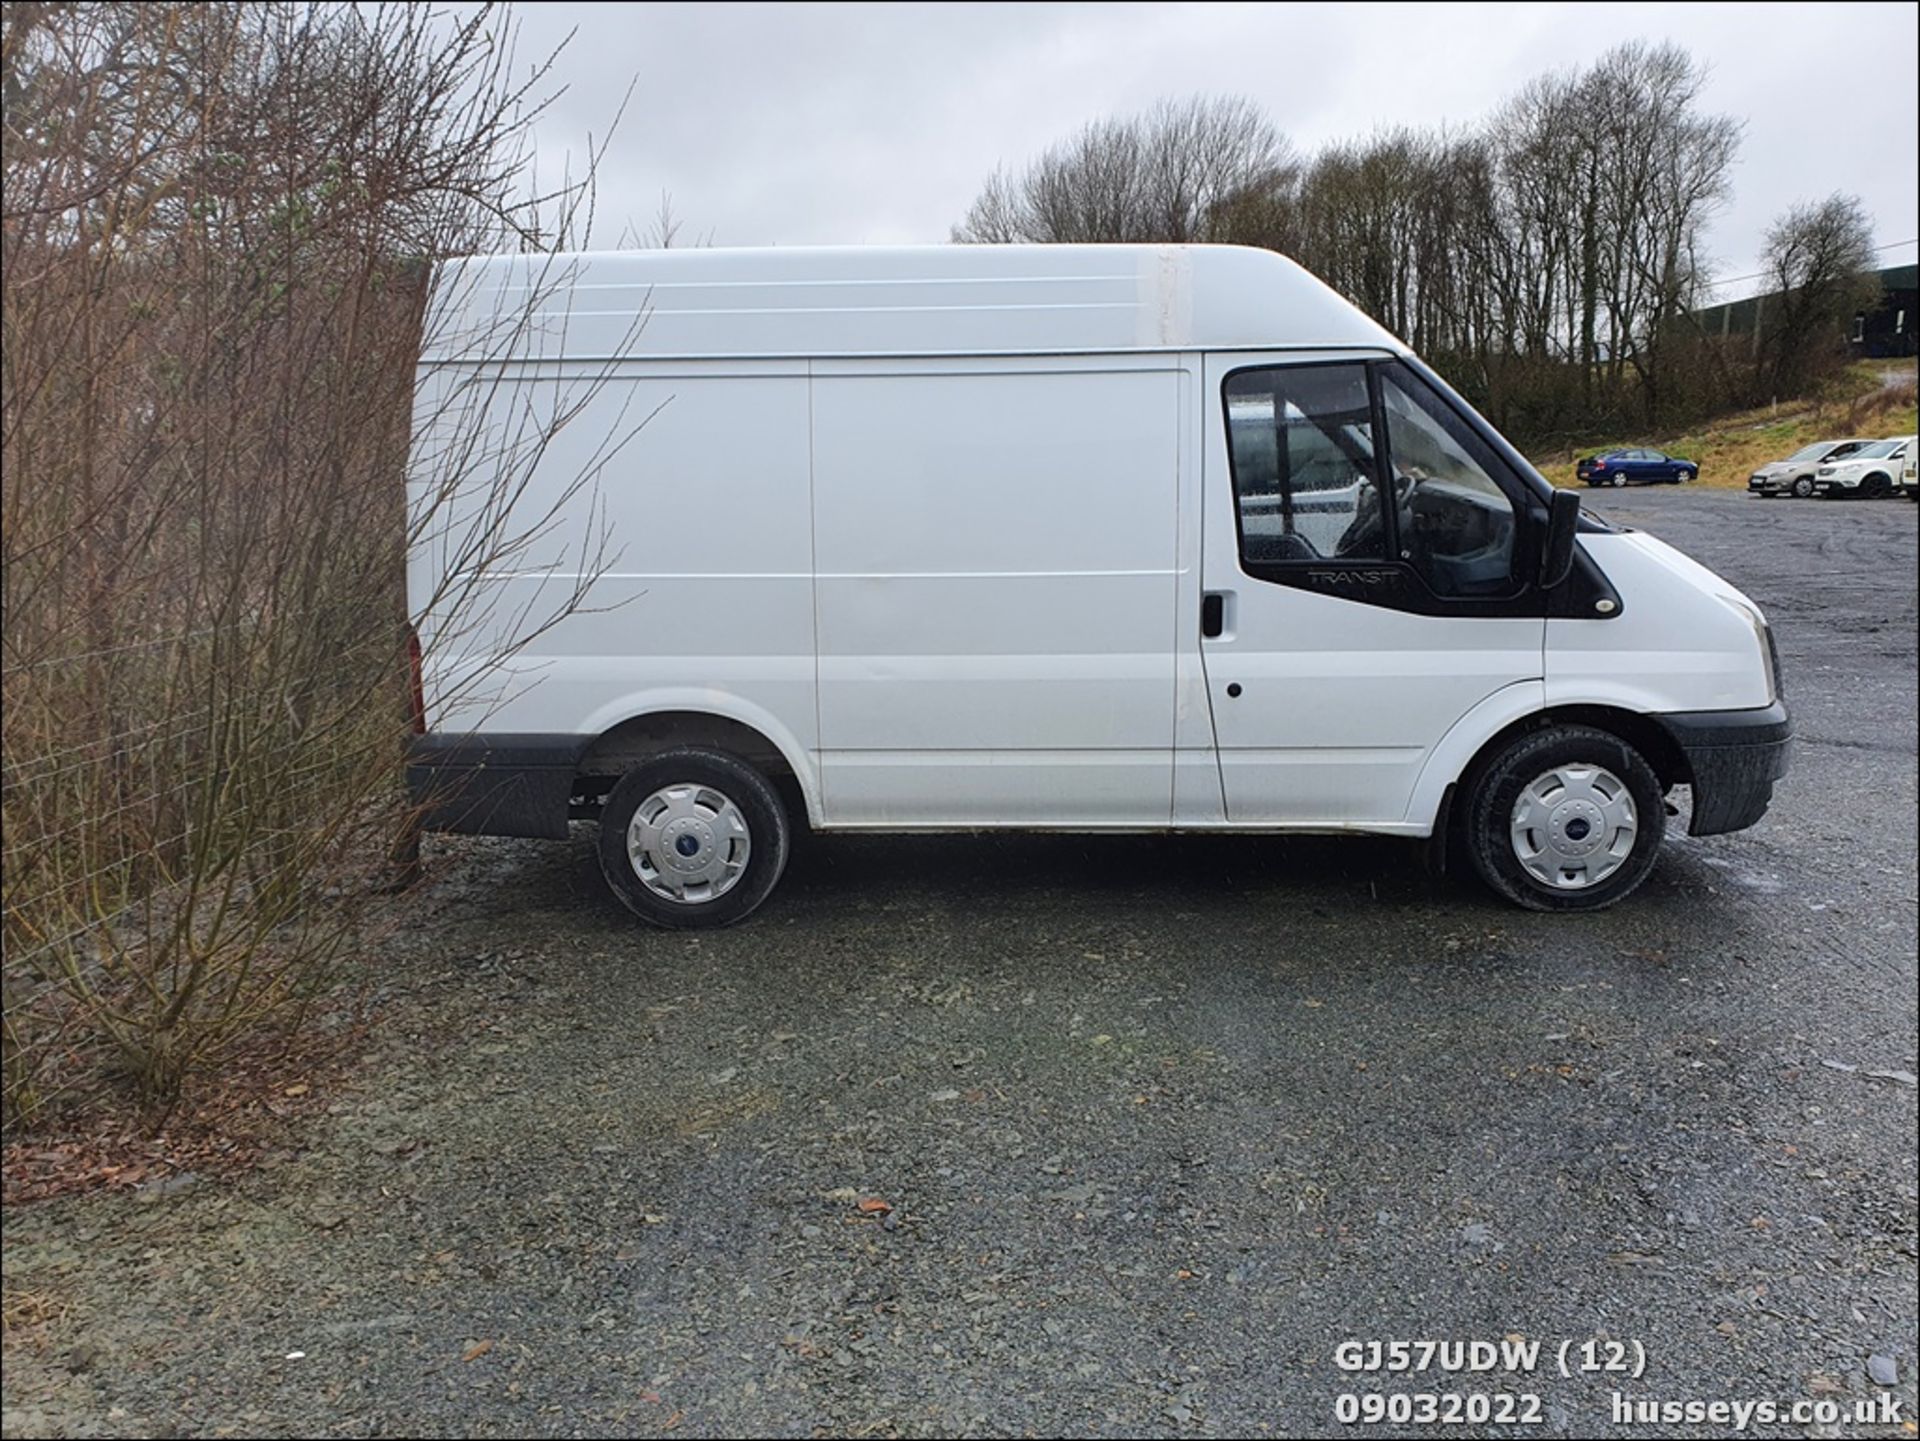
1567,818
1617,478
693,838
1803,486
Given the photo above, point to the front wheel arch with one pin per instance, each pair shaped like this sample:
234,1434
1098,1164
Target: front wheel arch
1642,732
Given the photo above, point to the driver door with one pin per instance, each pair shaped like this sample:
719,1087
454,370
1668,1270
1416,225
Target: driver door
1350,622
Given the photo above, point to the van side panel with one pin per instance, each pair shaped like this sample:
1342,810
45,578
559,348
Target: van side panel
996,591
693,545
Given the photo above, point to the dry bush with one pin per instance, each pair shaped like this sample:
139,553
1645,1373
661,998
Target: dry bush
219,223
1885,411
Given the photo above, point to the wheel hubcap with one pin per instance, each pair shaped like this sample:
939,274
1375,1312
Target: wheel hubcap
688,843
1574,826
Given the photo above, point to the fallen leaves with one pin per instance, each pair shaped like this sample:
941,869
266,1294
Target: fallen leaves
242,1115
476,1351
29,1318
873,1206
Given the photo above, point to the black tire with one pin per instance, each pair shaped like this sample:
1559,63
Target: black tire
1876,487
1617,479
1682,476
768,837
1495,788
1803,486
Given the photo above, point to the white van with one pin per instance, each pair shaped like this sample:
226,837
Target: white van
1066,538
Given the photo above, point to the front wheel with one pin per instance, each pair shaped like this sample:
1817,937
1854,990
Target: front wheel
1567,818
1803,486
1682,476
693,838
1876,487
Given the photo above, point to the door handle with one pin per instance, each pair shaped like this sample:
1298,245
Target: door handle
1213,614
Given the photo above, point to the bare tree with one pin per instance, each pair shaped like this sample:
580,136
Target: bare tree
663,232
1818,260
1538,190
1180,173
1393,222
1658,170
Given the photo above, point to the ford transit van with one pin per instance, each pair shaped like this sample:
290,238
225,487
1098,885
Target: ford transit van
1060,538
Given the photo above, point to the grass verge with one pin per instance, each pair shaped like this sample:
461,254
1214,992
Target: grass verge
1732,448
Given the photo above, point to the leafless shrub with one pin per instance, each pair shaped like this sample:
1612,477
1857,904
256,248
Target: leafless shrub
219,227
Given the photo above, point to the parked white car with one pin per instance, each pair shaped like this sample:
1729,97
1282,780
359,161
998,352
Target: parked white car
1062,538
1795,475
1873,472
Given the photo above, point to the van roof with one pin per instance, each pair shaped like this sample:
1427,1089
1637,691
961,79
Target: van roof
877,301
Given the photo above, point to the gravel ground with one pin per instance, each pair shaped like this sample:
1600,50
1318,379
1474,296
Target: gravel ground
1160,1121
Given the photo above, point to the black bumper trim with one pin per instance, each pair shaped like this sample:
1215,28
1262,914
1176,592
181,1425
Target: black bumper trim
501,784
1733,757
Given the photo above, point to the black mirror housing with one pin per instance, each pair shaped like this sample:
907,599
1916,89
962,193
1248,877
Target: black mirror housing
1556,549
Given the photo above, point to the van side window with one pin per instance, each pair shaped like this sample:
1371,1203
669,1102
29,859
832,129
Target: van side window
1304,473
1456,525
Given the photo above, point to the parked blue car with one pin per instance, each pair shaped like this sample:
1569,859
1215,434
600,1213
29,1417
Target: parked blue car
1642,467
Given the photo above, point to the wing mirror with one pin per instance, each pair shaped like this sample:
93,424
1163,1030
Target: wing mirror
1556,551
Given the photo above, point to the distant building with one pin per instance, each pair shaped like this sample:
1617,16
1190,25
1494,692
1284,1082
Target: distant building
1886,331
1890,329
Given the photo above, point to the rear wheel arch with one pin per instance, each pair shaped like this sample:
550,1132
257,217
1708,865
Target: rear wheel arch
621,747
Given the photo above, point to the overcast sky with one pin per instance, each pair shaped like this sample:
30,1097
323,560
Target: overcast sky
876,123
